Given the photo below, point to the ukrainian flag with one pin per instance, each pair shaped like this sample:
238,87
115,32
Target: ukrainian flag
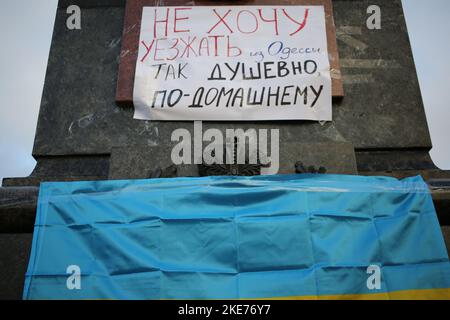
264,237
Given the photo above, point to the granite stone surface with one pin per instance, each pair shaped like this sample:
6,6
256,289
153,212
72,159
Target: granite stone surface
382,107
15,249
139,162
18,209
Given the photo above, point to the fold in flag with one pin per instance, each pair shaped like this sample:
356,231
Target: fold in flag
286,236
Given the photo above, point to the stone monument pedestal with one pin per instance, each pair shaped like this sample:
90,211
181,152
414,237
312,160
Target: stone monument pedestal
379,125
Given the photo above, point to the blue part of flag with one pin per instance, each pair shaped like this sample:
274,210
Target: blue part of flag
236,237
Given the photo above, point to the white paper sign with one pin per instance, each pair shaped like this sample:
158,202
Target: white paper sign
233,63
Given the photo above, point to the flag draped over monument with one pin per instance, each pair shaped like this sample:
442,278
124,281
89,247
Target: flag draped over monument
291,236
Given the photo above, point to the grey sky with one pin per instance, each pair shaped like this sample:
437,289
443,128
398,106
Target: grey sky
26,29
429,32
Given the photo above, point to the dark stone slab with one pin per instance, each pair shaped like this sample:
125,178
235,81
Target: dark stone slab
14,255
380,81
394,160
139,162
68,168
440,187
446,234
79,115
335,158
18,209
